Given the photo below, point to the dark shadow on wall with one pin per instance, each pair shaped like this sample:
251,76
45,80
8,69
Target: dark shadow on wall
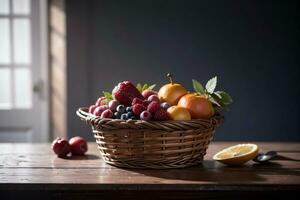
253,47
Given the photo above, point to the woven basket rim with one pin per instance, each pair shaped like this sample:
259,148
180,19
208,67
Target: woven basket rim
170,125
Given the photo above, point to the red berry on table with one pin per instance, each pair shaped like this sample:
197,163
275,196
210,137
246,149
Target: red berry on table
102,101
153,98
125,92
147,93
137,101
60,147
98,111
112,105
153,107
160,115
107,114
145,115
78,145
92,108
137,109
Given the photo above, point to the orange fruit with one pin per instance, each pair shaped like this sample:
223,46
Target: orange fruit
178,113
198,106
237,155
171,93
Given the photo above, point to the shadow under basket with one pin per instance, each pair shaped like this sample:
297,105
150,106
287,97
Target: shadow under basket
151,144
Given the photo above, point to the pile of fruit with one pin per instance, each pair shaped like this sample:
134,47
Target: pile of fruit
171,102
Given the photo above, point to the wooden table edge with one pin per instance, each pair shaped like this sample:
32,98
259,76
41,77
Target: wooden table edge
144,187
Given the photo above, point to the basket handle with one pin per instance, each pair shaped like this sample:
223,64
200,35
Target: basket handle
83,114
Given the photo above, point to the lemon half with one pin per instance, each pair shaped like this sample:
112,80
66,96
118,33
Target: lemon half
237,155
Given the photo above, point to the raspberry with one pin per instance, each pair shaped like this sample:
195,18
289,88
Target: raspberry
137,101
98,111
92,108
145,115
160,115
147,93
107,114
146,103
153,107
112,105
153,98
137,109
102,101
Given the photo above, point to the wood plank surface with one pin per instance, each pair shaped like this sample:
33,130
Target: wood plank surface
34,166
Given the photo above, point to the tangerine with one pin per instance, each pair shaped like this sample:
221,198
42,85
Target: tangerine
172,92
198,106
178,113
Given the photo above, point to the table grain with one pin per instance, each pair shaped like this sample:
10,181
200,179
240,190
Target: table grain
33,170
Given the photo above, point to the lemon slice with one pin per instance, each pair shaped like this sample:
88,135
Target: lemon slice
237,155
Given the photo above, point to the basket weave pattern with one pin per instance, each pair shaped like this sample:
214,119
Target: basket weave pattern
151,144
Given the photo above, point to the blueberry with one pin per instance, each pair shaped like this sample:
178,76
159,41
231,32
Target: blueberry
133,117
117,115
130,114
164,105
124,116
128,109
120,109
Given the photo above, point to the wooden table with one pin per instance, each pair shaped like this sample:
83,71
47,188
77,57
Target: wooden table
32,170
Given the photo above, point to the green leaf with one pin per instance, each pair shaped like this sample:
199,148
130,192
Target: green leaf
226,98
211,99
145,87
217,100
198,87
139,87
220,97
108,95
151,87
211,85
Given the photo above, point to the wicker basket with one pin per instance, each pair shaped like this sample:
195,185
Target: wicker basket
151,144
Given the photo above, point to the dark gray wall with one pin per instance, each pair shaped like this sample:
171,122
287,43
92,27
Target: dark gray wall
253,47
78,80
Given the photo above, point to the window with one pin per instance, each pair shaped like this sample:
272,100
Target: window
15,54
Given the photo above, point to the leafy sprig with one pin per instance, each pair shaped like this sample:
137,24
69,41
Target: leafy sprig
108,95
146,86
218,98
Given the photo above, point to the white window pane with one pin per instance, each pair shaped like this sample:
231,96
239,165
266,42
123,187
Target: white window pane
4,42
22,41
22,85
5,88
4,7
21,7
